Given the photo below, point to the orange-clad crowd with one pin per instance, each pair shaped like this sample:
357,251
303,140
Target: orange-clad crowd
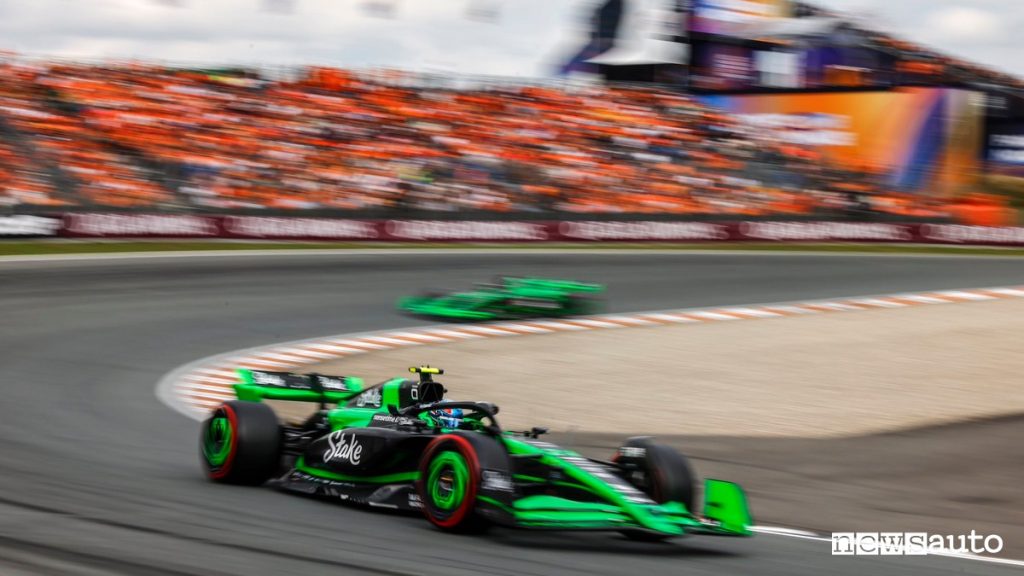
57,138
147,136
21,183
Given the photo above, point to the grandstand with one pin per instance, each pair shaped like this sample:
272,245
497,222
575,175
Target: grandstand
134,136
143,136
920,121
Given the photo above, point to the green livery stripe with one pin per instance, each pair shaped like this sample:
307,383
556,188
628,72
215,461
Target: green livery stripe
539,480
556,503
575,486
598,525
564,517
396,478
495,503
528,478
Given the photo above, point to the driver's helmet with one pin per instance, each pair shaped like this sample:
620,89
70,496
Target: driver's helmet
448,417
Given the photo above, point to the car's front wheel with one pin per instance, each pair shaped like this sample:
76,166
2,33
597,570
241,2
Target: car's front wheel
448,484
659,471
240,443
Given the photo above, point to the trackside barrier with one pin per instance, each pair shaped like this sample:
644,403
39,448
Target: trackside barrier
185,226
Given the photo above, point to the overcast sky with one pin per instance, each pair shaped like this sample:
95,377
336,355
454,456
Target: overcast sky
525,39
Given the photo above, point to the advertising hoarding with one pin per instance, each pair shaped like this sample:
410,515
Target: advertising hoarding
921,139
91,225
1004,148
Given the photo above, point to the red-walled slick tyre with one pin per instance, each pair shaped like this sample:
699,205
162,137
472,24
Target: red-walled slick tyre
240,443
448,484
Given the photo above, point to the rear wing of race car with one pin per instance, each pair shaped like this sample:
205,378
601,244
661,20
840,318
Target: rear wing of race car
257,385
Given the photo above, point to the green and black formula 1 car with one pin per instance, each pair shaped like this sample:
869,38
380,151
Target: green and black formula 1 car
508,298
401,445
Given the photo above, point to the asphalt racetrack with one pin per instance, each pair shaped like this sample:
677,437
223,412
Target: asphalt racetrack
98,477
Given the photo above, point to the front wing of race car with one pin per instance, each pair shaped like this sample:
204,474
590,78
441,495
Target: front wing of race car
725,514
556,488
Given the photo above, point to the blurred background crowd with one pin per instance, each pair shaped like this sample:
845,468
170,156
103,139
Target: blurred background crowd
144,136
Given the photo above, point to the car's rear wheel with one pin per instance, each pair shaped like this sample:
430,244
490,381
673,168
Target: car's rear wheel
659,471
240,443
448,484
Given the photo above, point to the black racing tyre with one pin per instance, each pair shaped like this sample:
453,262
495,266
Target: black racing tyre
659,471
448,484
240,443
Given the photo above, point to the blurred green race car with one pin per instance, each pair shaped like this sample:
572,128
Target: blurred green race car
401,445
508,298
